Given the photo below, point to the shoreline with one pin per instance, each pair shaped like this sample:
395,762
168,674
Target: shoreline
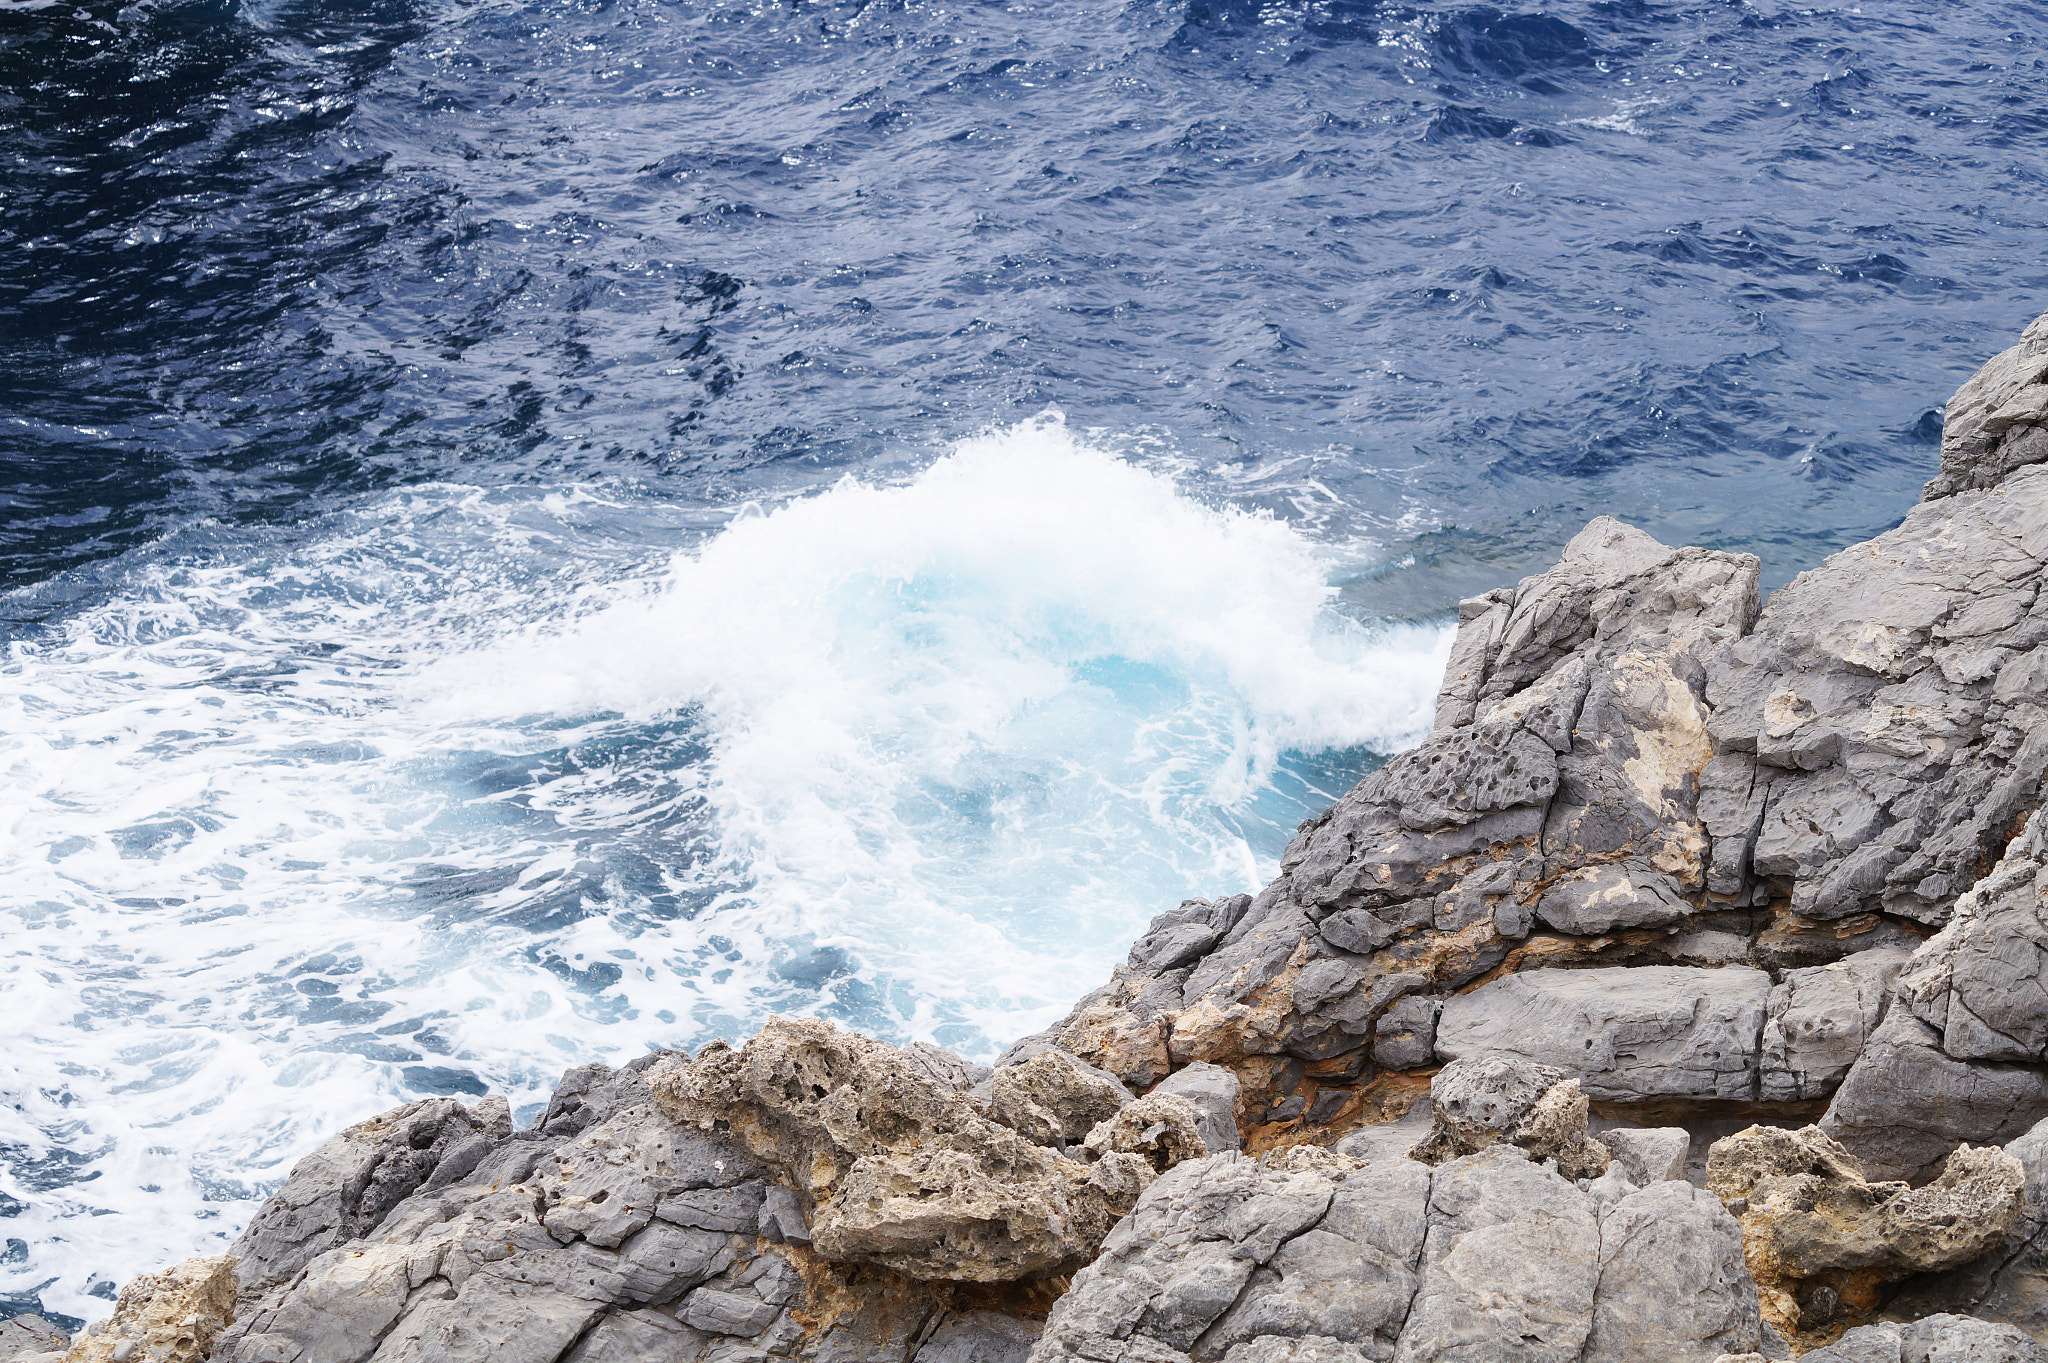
1675,862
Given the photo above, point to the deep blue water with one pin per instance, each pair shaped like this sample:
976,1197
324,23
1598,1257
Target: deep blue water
440,645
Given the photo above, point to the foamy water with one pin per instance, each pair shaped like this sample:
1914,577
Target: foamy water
463,787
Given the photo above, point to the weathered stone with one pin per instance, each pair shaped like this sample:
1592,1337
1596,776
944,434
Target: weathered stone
172,1316
1906,1103
1819,1239
1936,1339
1226,1251
1600,899
1478,1103
1628,1034
1818,1021
1405,1036
1211,1091
1510,1265
25,1337
1648,1154
1053,1098
1998,420
343,1190
1673,1287
906,1175
979,1337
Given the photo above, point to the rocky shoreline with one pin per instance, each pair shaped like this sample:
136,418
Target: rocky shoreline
1683,996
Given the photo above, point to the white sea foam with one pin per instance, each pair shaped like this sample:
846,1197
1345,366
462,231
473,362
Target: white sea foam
462,787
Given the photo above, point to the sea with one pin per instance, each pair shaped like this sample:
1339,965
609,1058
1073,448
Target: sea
532,530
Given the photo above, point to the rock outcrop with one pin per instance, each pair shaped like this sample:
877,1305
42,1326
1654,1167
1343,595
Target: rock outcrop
1821,1240
1675,863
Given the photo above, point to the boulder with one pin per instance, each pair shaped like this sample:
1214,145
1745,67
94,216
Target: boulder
1820,1239
1628,1034
172,1316
343,1190
1961,1054
1936,1339
1478,1103
1211,1091
899,1172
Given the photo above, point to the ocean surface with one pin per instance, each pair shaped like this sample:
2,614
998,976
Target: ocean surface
531,529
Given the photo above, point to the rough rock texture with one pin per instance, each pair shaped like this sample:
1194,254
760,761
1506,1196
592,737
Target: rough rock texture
1964,1054
608,1232
1308,1254
1998,420
30,1338
1936,1339
2009,1283
1477,1103
1820,1240
170,1317
898,1171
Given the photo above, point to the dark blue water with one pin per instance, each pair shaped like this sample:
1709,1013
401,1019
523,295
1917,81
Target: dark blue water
425,666
1478,274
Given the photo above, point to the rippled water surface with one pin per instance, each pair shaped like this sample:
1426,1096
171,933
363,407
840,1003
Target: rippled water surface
535,529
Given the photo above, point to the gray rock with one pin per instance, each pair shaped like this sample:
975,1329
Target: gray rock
727,1313
1937,1339
1906,1103
1629,1034
1211,1091
1405,1036
1510,1265
343,1190
1871,688
782,1217
979,1337
715,1209
1223,1252
636,1336
1480,1102
1995,422
1673,1287
1649,1155
24,1336
1598,899
1819,1021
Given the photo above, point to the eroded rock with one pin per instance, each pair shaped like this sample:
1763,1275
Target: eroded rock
173,1316
1478,1103
1820,1239
902,1173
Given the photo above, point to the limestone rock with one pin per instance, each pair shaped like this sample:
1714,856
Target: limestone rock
1936,1339
173,1316
1211,1091
1960,1055
1597,899
1510,1266
1673,1284
1648,1154
1628,1034
1820,1239
345,1188
29,1337
1478,1103
1819,1021
1053,1098
1998,420
1892,701
1227,1251
907,1175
